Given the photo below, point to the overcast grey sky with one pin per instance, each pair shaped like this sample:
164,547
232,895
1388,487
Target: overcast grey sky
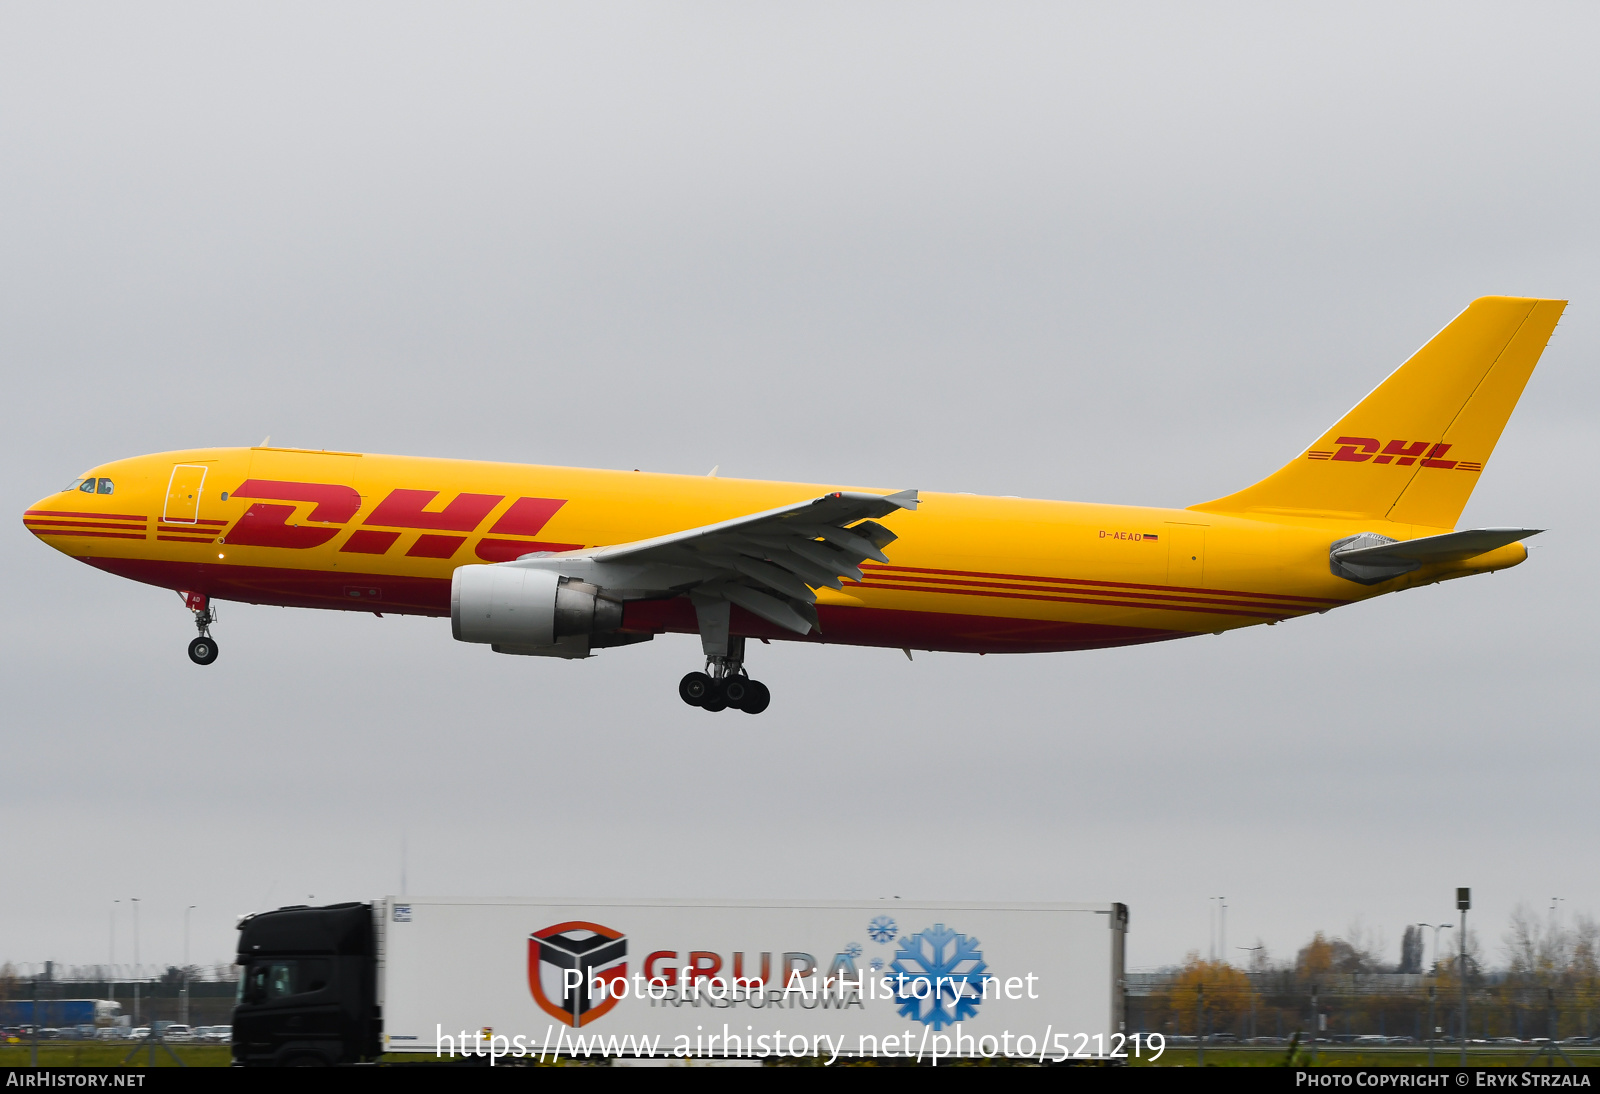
1128,253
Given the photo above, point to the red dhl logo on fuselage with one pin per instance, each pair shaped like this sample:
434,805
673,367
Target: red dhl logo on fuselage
268,525
1400,453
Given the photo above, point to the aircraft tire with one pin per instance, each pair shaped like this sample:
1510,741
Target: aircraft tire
692,689
756,697
203,650
716,699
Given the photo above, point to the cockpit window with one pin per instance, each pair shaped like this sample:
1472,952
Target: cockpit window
75,484
105,487
88,486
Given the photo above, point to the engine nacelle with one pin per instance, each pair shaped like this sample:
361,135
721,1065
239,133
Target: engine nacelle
529,611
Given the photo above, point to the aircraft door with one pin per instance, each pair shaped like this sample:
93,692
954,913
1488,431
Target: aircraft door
1186,555
183,494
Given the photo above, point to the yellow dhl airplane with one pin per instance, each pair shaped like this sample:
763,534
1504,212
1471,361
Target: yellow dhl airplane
557,562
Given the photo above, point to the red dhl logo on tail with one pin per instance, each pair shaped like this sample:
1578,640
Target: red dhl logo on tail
1400,453
266,525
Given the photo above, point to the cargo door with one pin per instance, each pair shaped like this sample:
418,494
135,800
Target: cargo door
1186,555
183,494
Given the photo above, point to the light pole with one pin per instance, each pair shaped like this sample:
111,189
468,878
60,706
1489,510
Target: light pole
1433,1029
1252,950
186,912
1437,927
1316,1019
1463,902
1218,940
135,902
1222,934
111,970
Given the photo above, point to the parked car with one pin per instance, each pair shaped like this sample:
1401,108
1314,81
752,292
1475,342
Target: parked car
177,1032
110,1033
140,1032
219,1034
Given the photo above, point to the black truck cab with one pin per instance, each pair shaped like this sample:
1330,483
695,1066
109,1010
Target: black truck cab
308,991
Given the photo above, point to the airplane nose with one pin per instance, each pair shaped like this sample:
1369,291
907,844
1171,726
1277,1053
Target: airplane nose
71,522
44,515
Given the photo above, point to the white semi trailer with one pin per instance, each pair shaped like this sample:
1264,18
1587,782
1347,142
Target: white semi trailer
502,981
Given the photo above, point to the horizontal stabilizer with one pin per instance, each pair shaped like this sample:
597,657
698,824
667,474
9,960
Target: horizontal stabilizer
1450,547
1370,558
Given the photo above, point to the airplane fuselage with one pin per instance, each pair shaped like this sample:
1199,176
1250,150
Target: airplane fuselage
384,534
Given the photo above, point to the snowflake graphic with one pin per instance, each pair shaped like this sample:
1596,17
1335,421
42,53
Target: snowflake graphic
882,929
939,979
877,964
852,951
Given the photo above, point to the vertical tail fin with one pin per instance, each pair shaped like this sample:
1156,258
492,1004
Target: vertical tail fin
1412,450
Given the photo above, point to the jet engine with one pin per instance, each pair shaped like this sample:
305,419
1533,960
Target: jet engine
529,611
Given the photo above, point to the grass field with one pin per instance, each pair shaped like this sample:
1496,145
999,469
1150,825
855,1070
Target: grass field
110,1054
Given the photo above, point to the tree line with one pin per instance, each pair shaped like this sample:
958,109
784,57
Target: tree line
1546,981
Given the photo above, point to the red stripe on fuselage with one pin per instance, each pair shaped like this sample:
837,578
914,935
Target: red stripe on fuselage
36,523
80,513
1072,600
1105,584
958,586
845,625
906,629
75,534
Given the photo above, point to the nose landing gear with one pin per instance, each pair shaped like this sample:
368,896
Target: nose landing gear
726,684
203,650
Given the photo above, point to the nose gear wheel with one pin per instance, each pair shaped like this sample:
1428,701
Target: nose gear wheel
203,650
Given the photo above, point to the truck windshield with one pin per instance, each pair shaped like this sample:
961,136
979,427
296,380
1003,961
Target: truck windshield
280,979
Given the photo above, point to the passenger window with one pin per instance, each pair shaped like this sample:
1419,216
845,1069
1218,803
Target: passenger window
88,486
106,487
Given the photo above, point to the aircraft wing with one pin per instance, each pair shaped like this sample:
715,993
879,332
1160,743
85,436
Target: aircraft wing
768,563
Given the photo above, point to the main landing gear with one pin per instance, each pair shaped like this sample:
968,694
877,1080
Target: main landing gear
203,650
725,684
